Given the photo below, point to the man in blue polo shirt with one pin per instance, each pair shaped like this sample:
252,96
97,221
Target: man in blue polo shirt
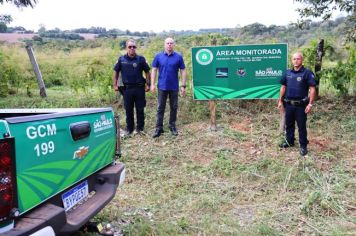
132,67
296,84
168,63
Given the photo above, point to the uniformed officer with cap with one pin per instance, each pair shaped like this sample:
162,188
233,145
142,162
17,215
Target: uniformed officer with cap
296,84
132,66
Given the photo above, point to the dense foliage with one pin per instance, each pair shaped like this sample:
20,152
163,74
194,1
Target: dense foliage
82,65
325,9
69,36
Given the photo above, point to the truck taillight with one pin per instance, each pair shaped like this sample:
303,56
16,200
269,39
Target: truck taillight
7,178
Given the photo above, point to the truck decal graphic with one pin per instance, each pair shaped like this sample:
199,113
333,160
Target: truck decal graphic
34,185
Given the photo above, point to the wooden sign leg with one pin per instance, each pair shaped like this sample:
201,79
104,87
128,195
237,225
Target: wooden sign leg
212,107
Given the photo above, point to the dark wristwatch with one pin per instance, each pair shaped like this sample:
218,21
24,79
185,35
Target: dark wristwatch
184,86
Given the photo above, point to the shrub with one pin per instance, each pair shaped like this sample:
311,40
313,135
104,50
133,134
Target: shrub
9,76
343,76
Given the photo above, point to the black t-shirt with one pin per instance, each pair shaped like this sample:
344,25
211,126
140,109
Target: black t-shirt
132,69
297,83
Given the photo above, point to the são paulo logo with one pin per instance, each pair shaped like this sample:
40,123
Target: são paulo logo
102,124
204,57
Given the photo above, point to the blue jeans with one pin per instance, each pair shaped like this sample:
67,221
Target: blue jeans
296,114
173,104
135,97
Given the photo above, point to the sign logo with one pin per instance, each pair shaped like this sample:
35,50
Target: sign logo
299,79
204,57
241,72
268,72
222,72
103,124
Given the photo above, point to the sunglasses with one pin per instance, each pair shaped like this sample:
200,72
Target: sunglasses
131,47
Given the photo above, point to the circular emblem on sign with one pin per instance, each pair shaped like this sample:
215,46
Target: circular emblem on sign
299,79
134,65
204,57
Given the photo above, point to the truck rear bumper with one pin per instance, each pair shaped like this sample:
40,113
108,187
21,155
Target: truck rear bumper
54,216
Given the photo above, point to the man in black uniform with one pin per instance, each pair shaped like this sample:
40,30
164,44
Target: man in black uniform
296,83
132,67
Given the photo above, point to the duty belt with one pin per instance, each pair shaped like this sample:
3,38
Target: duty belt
134,85
295,102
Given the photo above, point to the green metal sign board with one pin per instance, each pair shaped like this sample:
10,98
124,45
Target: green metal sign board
238,72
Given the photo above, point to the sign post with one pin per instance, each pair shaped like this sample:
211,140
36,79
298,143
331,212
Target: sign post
212,108
212,103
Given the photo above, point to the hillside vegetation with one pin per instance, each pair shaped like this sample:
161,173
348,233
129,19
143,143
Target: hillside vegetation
235,181
82,64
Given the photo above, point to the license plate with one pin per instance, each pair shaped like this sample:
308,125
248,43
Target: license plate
75,195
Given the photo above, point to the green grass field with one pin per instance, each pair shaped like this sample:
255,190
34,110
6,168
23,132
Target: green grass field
236,181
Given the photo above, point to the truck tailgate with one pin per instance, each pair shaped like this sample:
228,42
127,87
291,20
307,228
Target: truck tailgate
55,151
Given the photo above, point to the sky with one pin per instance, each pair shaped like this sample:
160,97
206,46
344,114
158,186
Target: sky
152,15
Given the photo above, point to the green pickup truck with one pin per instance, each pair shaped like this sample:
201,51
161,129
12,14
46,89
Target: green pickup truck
58,168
